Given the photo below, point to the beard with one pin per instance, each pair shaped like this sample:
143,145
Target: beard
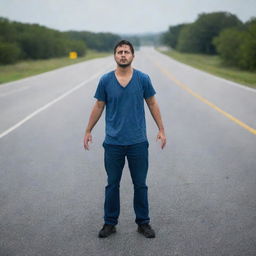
125,65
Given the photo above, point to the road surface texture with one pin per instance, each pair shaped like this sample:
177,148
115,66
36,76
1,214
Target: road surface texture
202,186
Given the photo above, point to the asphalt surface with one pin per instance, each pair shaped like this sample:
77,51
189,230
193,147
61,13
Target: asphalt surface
202,186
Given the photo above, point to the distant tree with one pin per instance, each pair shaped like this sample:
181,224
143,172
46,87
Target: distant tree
39,42
33,41
9,53
187,42
250,22
198,36
170,38
149,39
96,41
77,46
7,31
228,45
237,46
248,47
135,40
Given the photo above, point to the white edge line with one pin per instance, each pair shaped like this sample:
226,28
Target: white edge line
45,73
242,86
47,105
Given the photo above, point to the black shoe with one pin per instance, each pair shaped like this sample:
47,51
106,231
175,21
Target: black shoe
146,230
107,230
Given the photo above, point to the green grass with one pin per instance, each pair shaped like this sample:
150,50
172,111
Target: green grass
214,65
33,67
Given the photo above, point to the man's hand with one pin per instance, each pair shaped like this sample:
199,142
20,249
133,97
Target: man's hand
155,112
161,136
87,140
94,117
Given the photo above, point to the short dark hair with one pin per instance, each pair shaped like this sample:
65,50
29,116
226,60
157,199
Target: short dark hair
124,42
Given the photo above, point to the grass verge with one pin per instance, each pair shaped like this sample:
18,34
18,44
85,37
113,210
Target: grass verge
214,65
24,69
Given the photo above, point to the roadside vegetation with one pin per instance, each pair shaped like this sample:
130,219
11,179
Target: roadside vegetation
30,49
20,41
218,43
27,68
214,65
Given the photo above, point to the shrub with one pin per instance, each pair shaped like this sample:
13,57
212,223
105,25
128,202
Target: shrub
9,53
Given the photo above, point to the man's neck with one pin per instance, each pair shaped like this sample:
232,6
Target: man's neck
124,71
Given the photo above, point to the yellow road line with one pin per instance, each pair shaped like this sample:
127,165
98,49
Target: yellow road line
186,88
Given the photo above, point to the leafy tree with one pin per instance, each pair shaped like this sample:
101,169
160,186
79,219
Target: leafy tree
248,47
228,45
170,37
96,41
77,46
198,36
187,42
32,41
9,53
7,31
237,46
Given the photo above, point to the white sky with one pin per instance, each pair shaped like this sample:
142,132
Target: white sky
130,16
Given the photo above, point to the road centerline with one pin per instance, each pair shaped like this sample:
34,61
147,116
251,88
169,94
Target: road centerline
202,99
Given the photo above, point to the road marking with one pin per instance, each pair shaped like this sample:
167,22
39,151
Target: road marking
187,89
14,91
27,118
244,87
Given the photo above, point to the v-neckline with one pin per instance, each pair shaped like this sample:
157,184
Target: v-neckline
127,83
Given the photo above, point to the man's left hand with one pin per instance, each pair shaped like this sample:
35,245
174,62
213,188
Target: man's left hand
161,136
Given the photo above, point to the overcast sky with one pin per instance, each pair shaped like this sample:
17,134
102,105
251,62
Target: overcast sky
130,16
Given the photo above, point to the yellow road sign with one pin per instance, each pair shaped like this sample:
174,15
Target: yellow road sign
72,55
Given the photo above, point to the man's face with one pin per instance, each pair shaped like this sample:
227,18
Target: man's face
123,56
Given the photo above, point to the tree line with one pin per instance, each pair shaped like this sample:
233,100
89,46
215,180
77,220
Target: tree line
217,33
20,41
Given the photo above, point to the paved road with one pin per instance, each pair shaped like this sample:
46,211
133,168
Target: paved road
202,187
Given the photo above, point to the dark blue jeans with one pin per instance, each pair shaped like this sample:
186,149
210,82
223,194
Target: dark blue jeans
114,160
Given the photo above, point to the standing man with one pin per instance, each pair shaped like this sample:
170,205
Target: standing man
123,91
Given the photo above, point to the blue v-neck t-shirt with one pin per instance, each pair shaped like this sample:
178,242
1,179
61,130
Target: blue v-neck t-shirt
125,115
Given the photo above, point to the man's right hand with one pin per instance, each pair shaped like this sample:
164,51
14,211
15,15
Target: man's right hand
87,140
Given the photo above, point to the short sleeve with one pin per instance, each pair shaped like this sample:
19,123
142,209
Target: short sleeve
100,93
149,90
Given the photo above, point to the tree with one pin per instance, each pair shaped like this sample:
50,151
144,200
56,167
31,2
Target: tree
248,47
187,42
198,36
228,45
96,41
237,46
33,41
9,53
170,37
7,31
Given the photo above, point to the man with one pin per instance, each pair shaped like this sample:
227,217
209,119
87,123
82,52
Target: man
123,91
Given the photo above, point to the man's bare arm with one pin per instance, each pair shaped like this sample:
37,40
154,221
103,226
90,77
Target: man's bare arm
155,112
94,117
